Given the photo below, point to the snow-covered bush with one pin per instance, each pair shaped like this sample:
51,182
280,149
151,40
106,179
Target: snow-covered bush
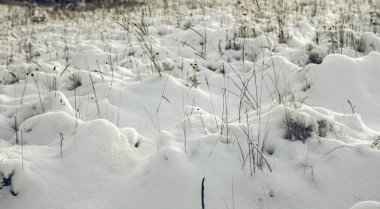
315,57
297,129
368,42
73,81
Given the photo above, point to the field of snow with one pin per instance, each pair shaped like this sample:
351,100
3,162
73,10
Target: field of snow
191,104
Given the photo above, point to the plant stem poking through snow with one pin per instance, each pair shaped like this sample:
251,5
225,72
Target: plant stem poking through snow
352,106
203,193
93,88
38,90
22,150
61,137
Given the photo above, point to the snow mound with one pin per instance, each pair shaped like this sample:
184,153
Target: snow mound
100,141
46,128
368,42
347,85
52,102
96,153
170,176
366,205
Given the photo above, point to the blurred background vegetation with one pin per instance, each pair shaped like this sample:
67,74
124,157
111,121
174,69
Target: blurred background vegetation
73,3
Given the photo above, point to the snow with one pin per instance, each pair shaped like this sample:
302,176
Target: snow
366,205
133,108
358,85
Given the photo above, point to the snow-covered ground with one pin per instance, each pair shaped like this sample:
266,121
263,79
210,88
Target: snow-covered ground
185,104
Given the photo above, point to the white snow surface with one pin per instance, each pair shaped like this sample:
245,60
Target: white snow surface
366,205
134,107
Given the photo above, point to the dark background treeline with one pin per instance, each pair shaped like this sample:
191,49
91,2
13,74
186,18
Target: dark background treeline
66,2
